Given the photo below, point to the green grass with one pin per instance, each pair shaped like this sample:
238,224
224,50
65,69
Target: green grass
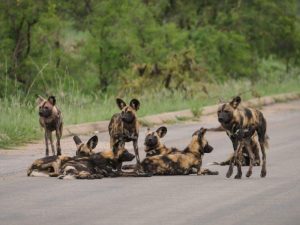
19,118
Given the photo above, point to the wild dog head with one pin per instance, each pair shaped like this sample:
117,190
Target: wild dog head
128,112
199,143
85,149
226,112
46,107
152,139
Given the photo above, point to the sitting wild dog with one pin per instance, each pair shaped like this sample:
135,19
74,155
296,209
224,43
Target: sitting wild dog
51,120
181,163
234,119
89,165
124,126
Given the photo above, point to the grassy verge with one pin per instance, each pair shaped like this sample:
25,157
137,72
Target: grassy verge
19,119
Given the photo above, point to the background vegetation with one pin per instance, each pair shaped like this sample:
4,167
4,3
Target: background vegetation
171,54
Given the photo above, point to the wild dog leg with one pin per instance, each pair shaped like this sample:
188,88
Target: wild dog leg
251,156
46,142
233,159
58,137
238,161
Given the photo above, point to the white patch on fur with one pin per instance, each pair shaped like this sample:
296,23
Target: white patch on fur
35,173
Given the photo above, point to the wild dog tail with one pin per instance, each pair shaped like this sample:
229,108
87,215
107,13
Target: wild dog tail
262,129
218,163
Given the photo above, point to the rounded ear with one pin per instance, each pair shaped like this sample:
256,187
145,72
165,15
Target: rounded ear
52,100
92,142
235,101
135,104
121,104
77,140
161,131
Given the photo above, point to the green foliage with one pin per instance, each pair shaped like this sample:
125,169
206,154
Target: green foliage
92,51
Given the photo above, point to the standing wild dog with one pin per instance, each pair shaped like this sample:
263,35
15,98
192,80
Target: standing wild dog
181,163
124,127
51,120
235,119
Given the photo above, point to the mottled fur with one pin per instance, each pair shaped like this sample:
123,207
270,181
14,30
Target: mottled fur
50,119
86,165
180,163
124,127
235,119
253,144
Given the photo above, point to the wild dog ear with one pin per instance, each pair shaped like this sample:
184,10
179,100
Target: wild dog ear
121,104
161,131
134,103
77,140
39,100
235,101
202,131
92,142
52,100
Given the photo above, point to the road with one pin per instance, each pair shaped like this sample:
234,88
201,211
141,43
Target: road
163,199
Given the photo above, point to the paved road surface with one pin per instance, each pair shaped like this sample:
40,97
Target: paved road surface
163,200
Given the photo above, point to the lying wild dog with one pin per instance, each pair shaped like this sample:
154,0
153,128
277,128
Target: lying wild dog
234,119
181,163
153,145
86,165
51,165
51,120
90,165
124,127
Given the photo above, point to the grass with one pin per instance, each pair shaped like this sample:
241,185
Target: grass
19,118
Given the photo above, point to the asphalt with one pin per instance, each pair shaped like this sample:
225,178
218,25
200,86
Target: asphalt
163,199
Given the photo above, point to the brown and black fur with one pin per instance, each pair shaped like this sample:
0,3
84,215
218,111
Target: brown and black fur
153,145
86,165
235,119
50,119
89,165
124,127
181,163
253,144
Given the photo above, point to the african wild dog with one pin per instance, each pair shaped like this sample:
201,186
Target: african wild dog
235,119
86,165
124,127
153,145
51,165
51,120
181,163
95,165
